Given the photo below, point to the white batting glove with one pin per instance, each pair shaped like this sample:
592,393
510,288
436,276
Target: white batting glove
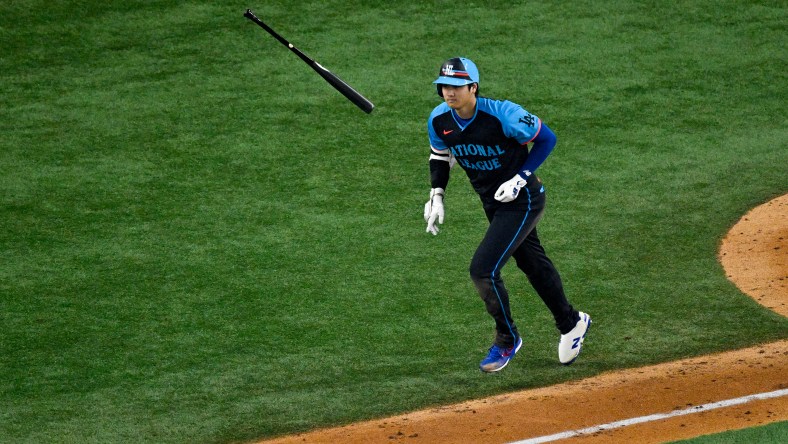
509,190
433,210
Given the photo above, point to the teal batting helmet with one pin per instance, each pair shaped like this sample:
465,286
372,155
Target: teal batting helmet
457,71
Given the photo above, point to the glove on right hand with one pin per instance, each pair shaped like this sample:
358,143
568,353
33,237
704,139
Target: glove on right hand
433,210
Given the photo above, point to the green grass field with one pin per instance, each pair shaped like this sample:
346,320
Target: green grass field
774,433
202,241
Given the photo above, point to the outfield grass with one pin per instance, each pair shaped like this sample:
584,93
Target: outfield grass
203,242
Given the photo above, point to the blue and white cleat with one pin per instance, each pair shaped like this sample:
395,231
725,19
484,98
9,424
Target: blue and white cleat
498,357
571,343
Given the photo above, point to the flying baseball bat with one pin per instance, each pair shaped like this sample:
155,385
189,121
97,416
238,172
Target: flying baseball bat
352,95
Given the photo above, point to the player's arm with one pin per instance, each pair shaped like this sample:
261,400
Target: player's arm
440,156
525,128
440,166
543,144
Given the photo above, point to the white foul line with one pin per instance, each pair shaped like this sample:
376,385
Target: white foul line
656,417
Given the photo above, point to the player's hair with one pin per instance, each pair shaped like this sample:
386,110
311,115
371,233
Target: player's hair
440,89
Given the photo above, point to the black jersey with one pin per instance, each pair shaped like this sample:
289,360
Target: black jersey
491,147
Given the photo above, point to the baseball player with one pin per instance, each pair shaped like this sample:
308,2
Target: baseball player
489,140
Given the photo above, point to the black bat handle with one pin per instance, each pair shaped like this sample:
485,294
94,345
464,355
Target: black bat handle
250,15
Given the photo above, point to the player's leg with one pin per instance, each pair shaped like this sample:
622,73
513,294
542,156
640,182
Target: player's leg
485,270
493,292
509,226
531,258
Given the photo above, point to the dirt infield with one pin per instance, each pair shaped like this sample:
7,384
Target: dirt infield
754,254
618,406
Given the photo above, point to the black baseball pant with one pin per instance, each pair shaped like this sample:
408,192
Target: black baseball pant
512,233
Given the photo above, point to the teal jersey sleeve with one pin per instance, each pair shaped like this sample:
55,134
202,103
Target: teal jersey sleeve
517,123
435,141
